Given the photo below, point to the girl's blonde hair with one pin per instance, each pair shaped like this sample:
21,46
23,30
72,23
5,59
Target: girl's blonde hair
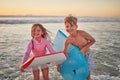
44,30
70,19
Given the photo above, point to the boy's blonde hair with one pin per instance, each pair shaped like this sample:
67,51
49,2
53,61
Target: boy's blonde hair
70,19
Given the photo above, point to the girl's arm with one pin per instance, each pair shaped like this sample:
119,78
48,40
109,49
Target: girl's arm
49,47
27,53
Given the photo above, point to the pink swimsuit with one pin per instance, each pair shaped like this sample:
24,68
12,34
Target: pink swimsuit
39,48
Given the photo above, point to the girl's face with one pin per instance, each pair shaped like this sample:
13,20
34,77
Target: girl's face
38,32
70,28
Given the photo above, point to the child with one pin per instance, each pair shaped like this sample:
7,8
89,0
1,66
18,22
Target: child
38,45
79,38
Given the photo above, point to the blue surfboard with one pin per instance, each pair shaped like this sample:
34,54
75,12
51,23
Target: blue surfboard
75,67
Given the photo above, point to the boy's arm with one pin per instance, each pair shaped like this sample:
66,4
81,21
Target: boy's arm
90,41
66,45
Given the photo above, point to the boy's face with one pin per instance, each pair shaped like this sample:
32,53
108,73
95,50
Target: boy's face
70,27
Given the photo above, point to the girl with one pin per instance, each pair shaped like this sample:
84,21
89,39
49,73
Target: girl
79,38
38,45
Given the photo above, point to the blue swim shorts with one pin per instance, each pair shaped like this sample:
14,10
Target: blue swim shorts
90,60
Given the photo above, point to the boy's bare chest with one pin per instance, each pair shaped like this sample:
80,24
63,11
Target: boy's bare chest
78,41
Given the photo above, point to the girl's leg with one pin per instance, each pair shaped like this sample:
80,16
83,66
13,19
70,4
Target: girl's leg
36,74
45,73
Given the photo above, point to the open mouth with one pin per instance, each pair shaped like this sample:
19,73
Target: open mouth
37,35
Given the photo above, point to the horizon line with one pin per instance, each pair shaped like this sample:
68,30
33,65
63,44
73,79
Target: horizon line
55,16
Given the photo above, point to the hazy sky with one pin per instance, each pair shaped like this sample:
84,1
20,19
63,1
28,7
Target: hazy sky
61,7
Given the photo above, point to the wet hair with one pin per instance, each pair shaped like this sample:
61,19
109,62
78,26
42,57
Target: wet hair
44,30
70,19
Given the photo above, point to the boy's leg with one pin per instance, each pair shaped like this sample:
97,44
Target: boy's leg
45,73
58,67
88,78
36,74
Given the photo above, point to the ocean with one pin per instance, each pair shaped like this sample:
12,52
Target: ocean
15,33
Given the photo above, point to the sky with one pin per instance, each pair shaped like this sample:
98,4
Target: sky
102,8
